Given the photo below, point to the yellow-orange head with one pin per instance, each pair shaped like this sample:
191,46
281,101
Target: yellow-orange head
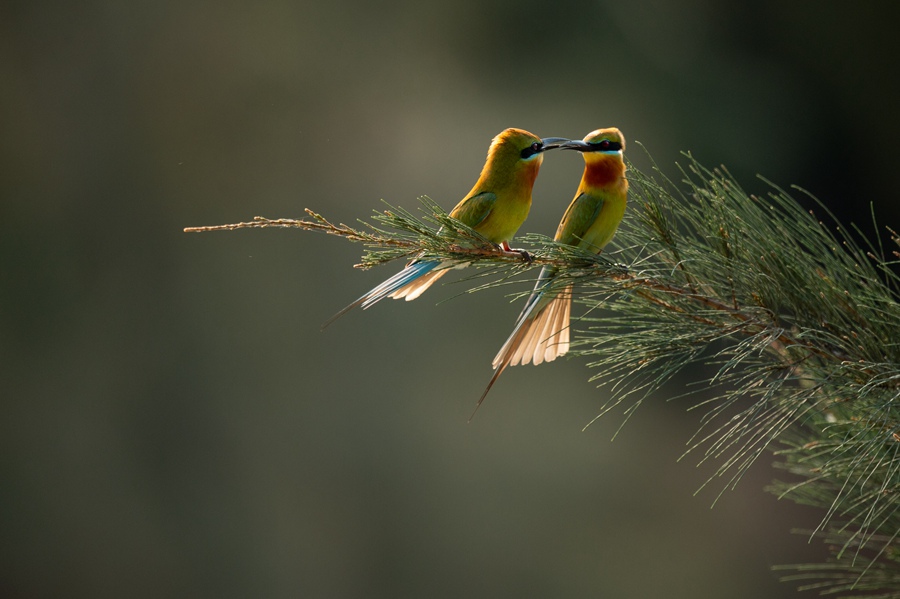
514,158
603,157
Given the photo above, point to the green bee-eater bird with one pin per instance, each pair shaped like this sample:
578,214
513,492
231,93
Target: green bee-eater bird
496,207
541,333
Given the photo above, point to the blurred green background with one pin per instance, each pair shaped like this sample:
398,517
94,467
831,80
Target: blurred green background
174,424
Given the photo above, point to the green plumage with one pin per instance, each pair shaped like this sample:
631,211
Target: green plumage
591,220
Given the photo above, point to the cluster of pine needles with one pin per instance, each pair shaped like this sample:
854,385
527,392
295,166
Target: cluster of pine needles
795,321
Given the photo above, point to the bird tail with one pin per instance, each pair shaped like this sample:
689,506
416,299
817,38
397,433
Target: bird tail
409,283
541,333
417,287
540,337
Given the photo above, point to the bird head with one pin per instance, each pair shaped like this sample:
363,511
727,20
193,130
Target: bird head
600,143
604,164
514,145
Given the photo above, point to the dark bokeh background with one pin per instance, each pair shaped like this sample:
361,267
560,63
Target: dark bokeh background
173,423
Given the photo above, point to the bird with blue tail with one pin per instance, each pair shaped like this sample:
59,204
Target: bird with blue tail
496,207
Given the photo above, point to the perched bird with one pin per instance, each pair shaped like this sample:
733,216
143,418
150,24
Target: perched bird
541,333
496,207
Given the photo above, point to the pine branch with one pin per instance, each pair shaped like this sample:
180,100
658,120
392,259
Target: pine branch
801,328
448,239
792,325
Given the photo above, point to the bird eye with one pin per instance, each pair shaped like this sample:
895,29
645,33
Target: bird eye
604,145
533,149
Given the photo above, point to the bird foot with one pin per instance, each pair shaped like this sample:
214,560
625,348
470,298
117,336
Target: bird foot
526,257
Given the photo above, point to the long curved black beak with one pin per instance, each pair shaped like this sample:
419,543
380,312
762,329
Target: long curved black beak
551,143
577,144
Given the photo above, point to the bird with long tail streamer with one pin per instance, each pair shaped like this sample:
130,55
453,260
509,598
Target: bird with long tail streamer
541,332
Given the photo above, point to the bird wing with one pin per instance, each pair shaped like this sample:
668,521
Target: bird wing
579,217
474,209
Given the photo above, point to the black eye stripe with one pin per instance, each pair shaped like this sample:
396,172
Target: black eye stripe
607,146
531,150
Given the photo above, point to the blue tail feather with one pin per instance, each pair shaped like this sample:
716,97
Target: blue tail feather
406,276
403,278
